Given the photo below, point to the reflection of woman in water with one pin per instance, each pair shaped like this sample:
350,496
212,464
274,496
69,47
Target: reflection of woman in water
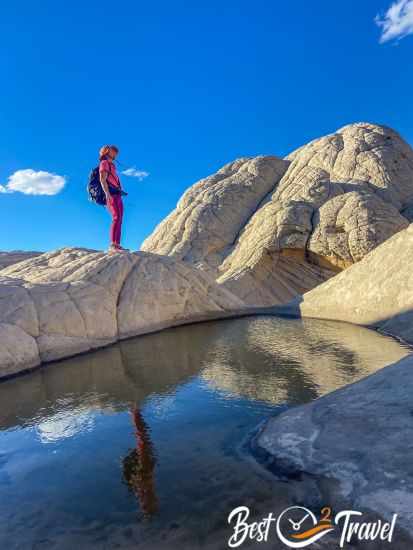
138,467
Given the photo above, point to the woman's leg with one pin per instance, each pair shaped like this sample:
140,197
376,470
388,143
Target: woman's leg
113,207
120,217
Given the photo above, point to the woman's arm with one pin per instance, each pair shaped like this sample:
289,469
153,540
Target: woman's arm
104,183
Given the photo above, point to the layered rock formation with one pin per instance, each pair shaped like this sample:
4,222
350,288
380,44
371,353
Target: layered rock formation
73,300
313,355
208,218
360,436
378,291
269,228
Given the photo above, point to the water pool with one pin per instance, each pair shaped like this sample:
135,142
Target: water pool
140,445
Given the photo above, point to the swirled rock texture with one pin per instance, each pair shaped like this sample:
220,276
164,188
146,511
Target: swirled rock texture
73,300
207,220
270,228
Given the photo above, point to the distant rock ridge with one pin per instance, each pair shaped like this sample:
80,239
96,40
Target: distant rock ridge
15,256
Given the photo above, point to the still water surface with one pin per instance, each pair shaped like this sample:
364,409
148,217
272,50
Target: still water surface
141,445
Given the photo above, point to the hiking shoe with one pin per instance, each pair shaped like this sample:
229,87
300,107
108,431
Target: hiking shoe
116,248
113,249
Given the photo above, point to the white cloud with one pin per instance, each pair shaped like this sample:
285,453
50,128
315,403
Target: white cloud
30,182
135,173
63,425
397,21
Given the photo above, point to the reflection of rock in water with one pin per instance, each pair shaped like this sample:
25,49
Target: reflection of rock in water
139,465
112,379
295,359
264,358
158,362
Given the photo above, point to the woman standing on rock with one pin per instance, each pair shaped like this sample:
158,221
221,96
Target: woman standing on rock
111,186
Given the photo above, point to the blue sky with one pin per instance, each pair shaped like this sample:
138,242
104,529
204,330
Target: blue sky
182,88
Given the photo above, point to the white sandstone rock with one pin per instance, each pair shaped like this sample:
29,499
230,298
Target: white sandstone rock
73,300
323,208
377,291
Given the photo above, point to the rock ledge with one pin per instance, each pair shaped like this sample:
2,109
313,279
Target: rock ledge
360,436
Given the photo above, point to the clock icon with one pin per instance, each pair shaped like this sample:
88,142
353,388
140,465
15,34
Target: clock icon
297,527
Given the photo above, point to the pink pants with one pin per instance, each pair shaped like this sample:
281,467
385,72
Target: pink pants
115,207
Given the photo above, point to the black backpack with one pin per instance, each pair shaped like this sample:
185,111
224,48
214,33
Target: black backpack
94,188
